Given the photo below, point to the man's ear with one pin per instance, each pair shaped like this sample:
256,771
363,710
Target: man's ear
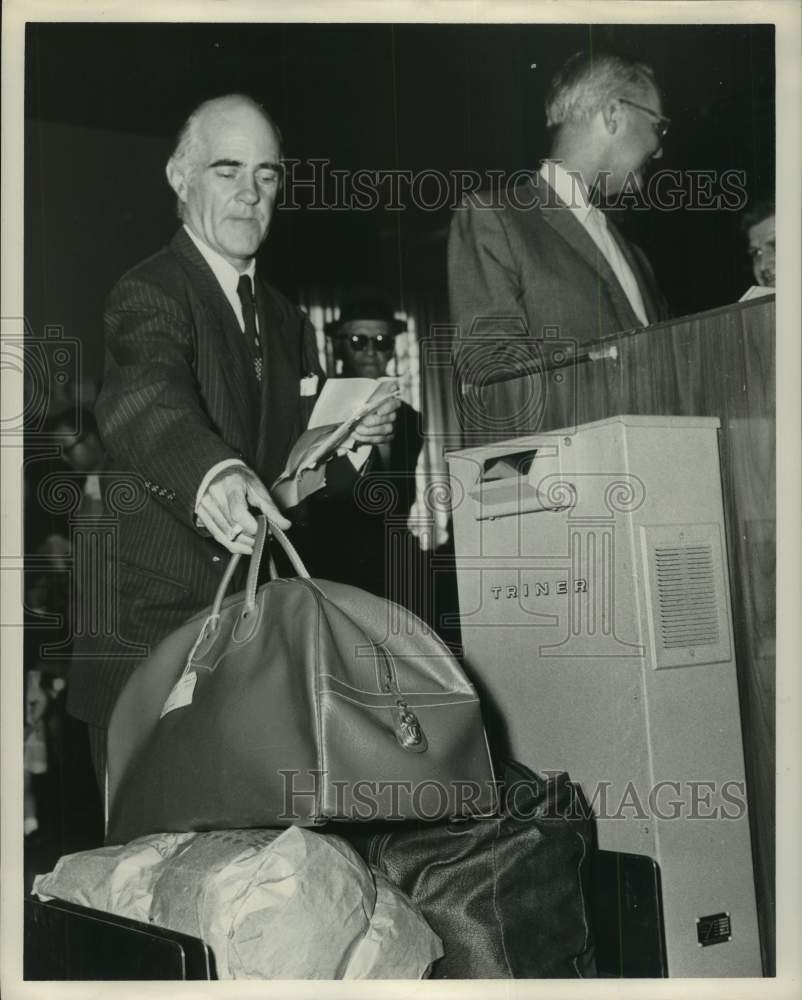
177,179
611,114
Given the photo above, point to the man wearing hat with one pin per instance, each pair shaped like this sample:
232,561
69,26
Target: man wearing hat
369,513
364,338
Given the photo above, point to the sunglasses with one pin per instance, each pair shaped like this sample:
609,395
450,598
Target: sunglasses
660,123
359,341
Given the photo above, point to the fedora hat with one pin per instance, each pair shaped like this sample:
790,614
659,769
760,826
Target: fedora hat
370,309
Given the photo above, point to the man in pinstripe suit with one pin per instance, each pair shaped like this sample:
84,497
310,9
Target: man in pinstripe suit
210,376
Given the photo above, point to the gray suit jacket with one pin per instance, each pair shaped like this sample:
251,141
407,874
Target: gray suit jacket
523,269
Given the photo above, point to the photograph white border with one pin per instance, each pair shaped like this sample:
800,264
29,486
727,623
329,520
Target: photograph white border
785,14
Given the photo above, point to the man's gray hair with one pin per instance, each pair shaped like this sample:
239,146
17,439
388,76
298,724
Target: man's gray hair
758,210
588,81
185,151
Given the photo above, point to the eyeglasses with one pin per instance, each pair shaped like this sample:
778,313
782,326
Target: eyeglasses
661,124
359,341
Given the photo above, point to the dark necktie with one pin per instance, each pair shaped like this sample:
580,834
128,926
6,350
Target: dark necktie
245,292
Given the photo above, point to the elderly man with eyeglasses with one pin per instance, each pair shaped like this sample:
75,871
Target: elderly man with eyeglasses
542,258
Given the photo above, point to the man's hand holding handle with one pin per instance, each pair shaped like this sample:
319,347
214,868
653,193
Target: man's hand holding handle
223,508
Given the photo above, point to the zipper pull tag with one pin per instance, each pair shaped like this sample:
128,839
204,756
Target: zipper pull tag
408,729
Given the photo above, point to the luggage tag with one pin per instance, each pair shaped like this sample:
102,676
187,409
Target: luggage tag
181,695
309,385
184,688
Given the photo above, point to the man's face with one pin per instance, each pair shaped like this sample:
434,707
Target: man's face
761,250
636,141
230,188
365,347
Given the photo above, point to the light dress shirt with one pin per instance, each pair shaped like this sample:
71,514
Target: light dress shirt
570,188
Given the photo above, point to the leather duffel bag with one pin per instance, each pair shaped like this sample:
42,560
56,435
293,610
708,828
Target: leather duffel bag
506,895
297,702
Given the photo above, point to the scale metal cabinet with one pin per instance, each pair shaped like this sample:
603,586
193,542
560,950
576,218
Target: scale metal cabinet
596,622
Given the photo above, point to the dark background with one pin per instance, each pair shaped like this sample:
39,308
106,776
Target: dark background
103,104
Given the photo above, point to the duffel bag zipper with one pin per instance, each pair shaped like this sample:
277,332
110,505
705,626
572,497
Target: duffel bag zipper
408,730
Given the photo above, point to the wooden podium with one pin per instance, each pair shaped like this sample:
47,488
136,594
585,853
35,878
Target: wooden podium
719,364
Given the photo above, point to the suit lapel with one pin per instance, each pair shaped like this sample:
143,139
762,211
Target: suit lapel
230,348
563,222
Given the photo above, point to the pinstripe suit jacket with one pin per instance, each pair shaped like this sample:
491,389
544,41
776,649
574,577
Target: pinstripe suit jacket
179,395
519,264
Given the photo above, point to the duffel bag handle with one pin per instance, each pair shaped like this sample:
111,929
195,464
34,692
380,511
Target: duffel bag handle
263,528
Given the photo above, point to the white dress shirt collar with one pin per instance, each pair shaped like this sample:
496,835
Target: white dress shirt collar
227,275
569,188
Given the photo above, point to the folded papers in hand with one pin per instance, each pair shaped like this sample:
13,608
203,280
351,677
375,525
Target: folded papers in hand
341,405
